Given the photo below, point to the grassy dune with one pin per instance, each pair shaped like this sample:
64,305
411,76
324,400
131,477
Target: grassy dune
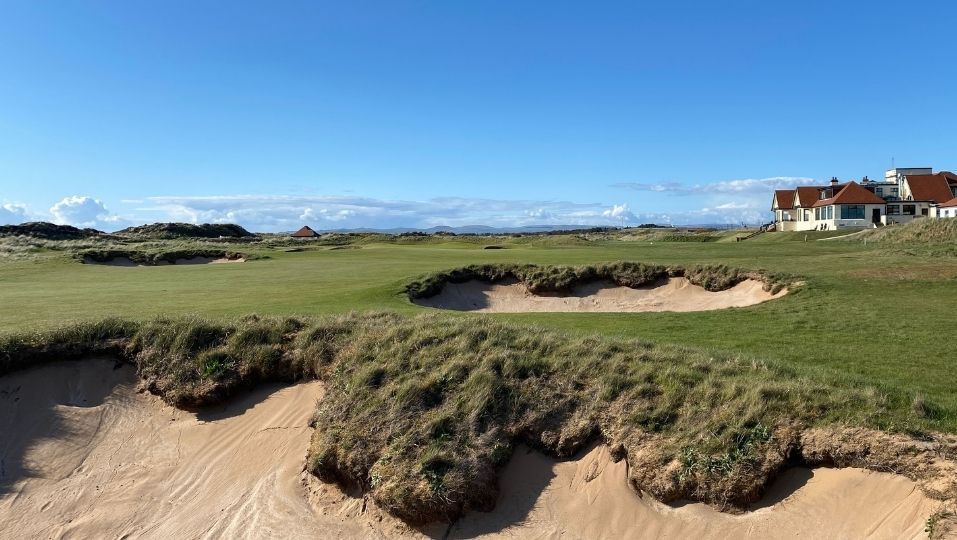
932,237
420,412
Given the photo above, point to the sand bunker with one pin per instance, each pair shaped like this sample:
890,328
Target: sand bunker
126,261
673,294
85,455
591,498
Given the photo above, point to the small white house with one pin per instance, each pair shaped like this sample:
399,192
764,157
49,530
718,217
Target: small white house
947,210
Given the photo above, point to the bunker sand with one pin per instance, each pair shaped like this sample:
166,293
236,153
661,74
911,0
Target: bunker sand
87,455
673,294
92,458
590,498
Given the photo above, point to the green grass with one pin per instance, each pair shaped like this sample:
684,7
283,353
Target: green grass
421,411
864,311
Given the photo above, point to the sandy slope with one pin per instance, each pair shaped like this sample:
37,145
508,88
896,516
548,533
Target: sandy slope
676,294
101,460
590,498
85,455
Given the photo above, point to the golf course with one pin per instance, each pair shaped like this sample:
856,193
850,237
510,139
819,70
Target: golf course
842,360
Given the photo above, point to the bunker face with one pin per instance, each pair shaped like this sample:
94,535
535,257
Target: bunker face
673,294
88,456
85,455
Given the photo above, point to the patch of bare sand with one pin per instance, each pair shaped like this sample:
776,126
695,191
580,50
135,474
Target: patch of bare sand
674,294
87,456
590,498
84,454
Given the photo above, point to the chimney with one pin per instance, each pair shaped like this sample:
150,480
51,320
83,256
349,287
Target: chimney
865,180
833,181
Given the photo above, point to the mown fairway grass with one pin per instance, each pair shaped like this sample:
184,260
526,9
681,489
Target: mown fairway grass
865,312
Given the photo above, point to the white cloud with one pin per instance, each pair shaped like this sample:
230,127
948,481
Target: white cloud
12,214
739,186
619,212
83,211
280,213
734,206
661,187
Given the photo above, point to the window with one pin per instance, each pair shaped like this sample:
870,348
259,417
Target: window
852,211
817,213
879,191
830,212
893,209
910,209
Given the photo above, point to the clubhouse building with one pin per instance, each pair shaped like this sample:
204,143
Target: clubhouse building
903,196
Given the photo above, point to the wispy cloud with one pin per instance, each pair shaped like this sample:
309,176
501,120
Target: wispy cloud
742,186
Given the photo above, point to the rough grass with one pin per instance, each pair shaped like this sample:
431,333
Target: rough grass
921,236
421,412
154,257
539,279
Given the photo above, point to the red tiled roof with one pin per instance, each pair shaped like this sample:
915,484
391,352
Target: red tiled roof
950,204
930,187
806,196
784,198
851,193
304,232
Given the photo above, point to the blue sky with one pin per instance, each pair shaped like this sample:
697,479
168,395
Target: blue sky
382,114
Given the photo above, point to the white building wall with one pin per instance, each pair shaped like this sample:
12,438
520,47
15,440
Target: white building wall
921,209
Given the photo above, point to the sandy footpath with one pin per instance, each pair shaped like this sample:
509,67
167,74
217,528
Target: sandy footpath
675,294
83,454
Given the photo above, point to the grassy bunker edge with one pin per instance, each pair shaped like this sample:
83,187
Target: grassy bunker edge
545,278
421,412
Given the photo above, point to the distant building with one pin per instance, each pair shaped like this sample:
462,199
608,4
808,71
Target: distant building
947,210
904,195
305,232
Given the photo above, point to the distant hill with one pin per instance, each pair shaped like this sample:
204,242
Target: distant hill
186,230
48,231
